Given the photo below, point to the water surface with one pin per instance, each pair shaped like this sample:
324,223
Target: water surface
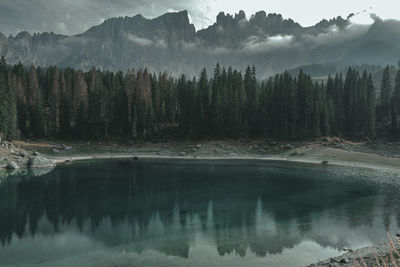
203,213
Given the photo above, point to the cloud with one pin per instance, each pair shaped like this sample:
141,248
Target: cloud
198,46
139,40
144,42
334,35
257,44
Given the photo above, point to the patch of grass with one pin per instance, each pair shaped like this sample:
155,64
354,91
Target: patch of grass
392,259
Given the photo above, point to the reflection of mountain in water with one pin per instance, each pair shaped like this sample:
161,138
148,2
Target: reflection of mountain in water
262,209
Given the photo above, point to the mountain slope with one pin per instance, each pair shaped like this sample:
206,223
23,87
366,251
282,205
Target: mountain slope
170,43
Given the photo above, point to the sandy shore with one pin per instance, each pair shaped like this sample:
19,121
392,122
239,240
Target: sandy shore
384,156
329,156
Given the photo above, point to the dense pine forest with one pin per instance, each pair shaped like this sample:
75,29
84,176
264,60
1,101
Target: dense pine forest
68,103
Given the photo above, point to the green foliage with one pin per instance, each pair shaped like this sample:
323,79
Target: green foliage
8,112
67,103
385,96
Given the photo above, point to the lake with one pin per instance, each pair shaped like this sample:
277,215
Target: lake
198,213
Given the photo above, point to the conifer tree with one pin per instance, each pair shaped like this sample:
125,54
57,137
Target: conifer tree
371,107
35,103
385,96
8,112
203,99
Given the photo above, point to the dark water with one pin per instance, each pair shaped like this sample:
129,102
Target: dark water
169,213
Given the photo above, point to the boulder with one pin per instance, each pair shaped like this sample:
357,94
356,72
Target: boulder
12,165
182,154
325,162
39,162
40,171
325,139
288,146
23,153
66,148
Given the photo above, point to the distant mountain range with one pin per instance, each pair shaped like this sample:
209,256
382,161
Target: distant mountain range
171,43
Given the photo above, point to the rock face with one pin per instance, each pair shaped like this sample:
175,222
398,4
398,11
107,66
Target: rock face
170,43
39,162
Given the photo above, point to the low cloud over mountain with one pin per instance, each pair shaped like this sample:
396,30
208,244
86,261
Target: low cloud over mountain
171,43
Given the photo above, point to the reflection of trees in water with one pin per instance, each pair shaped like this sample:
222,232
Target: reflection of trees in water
238,208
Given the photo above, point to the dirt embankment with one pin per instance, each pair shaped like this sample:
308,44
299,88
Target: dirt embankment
333,151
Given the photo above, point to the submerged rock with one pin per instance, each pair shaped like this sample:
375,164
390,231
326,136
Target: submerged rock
39,162
40,171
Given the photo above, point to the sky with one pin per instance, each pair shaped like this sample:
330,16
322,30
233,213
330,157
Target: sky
76,16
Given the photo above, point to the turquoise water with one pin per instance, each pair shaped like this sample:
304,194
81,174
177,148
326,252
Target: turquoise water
203,213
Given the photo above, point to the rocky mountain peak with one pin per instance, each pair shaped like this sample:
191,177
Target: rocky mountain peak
170,25
240,16
23,35
170,42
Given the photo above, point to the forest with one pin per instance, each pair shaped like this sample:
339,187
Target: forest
66,103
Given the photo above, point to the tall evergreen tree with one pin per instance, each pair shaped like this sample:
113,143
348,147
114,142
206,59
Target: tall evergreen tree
35,103
203,99
385,96
371,108
8,109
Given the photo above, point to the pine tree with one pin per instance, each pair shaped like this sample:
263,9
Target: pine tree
250,85
143,103
394,121
203,105
8,109
35,103
216,102
20,82
371,108
130,84
81,125
396,92
386,95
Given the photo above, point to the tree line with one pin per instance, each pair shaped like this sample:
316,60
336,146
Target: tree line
50,102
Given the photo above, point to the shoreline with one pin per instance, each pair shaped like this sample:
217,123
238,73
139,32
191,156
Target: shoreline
60,160
348,154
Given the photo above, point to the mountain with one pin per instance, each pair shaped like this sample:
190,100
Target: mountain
171,43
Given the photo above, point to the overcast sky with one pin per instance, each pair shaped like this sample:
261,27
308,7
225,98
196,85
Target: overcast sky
75,16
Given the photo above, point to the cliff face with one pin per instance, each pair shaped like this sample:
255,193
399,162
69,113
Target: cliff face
170,43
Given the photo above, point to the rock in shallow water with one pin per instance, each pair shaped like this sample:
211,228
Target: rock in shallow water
39,162
12,165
